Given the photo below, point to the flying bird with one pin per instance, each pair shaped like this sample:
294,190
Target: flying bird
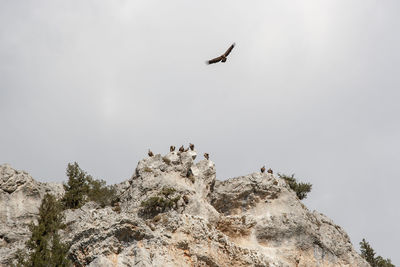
221,58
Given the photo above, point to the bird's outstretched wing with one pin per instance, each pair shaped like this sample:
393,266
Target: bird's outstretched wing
214,60
229,50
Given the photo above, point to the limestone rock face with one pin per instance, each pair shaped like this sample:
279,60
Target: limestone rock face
281,224
20,198
173,212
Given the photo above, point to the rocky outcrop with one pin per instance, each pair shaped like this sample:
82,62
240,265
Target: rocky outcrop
20,198
281,224
173,212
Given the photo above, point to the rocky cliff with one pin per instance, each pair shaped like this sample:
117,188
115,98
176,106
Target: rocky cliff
20,198
190,219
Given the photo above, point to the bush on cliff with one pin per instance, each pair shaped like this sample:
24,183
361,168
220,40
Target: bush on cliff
76,188
100,192
301,189
160,203
82,187
368,253
45,247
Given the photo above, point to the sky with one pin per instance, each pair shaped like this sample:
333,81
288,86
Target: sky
311,88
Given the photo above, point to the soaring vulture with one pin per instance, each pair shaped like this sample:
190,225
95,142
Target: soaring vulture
223,57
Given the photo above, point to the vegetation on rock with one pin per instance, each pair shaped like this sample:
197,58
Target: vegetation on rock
368,253
100,193
301,189
76,188
160,203
45,247
81,188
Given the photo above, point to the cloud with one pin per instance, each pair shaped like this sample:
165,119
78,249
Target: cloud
311,89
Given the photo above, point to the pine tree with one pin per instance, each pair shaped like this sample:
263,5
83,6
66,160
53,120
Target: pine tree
59,252
100,193
81,188
44,245
76,188
381,262
301,189
368,253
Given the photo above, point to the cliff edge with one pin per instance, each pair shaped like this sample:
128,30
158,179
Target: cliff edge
173,212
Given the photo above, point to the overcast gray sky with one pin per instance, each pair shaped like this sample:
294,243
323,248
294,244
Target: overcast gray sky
311,88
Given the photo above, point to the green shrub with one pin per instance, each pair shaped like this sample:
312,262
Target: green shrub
368,253
81,188
160,203
100,192
301,189
167,191
45,247
76,188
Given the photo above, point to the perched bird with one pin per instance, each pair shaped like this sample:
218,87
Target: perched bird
172,148
206,156
270,171
182,149
263,169
191,146
185,199
221,58
150,153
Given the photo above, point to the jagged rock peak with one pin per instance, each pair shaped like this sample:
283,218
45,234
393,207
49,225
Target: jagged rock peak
177,171
11,179
20,198
173,212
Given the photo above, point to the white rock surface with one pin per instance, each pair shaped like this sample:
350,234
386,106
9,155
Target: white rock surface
253,220
20,198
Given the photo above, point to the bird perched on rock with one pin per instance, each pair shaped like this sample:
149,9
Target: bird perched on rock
150,153
172,148
191,146
263,169
185,199
221,58
206,156
270,171
182,149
